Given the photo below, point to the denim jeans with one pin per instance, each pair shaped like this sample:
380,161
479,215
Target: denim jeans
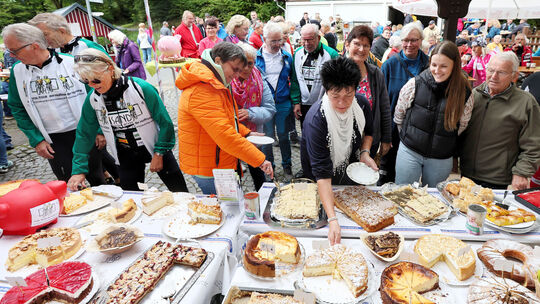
206,184
411,165
147,55
279,121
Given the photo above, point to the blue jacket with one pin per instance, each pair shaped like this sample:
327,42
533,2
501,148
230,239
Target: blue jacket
493,31
281,94
396,76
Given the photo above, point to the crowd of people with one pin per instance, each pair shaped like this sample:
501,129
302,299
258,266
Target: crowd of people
395,97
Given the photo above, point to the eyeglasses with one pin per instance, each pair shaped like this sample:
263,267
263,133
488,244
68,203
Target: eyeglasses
410,40
501,73
275,41
95,81
14,52
89,58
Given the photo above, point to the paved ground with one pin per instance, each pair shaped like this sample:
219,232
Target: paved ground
29,165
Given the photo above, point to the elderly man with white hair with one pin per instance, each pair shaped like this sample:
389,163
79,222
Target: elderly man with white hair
190,35
58,34
306,85
277,64
501,145
46,98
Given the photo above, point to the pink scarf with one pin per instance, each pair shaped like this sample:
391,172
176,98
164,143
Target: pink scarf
248,93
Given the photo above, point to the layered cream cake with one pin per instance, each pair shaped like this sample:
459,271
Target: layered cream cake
152,200
417,203
432,248
342,263
203,213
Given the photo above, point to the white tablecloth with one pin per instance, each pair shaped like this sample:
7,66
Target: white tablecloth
215,279
349,229
242,279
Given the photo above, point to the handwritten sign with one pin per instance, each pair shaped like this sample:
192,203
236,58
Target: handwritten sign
302,296
142,186
49,242
320,244
16,281
464,250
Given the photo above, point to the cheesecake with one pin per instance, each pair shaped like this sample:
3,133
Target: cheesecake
153,200
73,202
432,248
88,194
265,249
126,213
26,252
404,283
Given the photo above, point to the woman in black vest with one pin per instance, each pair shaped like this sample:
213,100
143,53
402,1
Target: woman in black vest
433,108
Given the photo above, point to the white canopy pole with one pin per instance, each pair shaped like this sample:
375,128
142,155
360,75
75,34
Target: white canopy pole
149,20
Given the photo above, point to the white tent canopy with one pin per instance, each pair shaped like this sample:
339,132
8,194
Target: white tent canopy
497,9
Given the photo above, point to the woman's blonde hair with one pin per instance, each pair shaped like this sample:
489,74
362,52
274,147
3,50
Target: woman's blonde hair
91,69
236,21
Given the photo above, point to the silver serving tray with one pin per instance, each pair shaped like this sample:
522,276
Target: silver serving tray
449,198
389,187
187,274
292,224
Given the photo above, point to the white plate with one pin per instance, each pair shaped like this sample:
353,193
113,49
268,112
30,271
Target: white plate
515,226
441,295
178,226
98,226
98,203
362,174
332,291
28,270
112,191
260,140
181,199
445,274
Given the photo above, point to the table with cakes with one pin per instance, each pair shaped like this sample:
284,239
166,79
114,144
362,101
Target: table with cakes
457,243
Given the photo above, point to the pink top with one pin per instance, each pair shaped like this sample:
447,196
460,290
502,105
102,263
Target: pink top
206,43
478,66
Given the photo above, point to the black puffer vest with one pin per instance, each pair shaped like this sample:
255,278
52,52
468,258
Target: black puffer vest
423,129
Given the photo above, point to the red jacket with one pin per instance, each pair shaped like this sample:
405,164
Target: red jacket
525,56
190,48
256,40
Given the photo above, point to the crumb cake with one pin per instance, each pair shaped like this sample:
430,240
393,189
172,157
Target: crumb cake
257,260
340,262
152,200
297,201
417,203
26,252
432,248
367,208
404,283
203,213
73,202
141,277
271,298
69,282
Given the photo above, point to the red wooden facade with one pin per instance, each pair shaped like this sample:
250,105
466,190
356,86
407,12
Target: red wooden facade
76,13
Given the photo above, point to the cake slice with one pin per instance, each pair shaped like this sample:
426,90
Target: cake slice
73,202
152,200
88,194
127,212
353,269
204,214
319,264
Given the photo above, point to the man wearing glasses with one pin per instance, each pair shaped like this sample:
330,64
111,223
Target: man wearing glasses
46,99
276,65
501,145
397,70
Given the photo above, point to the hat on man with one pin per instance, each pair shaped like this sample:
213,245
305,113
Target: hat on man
432,22
461,41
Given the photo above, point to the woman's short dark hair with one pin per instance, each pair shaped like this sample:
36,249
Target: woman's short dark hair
228,51
212,21
340,73
361,31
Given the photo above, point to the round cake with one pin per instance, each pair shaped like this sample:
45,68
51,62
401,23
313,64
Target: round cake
498,290
404,282
265,249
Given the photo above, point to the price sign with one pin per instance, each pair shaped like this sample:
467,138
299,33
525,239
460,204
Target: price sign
464,250
49,242
116,204
536,252
305,297
320,244
142,186
16,281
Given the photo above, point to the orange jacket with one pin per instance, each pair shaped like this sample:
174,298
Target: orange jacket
206,121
